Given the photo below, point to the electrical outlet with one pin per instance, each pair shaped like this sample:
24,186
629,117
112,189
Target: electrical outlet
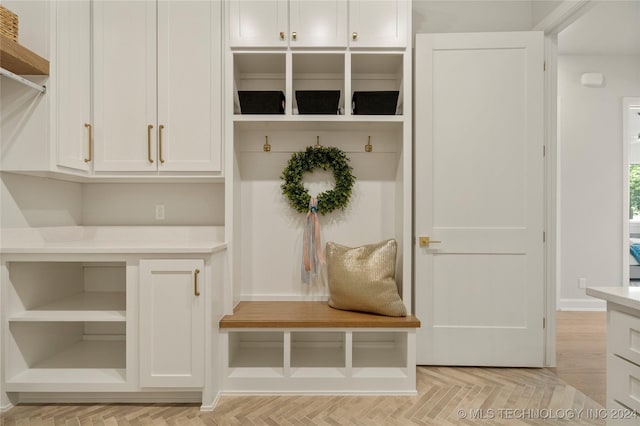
159,211
582,283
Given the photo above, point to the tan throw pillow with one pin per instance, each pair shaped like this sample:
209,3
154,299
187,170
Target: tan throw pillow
363,278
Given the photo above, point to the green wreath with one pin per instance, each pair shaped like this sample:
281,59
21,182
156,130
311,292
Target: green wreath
325,158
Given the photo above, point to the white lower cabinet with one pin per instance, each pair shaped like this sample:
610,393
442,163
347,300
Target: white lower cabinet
623,372
172,323
78,327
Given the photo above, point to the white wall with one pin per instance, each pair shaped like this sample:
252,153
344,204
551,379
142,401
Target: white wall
591,172
27,201
134,204
471,16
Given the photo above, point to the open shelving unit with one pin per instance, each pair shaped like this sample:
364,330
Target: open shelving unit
330,360
66,326
318,70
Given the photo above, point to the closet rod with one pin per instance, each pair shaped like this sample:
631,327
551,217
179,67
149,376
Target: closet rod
20,79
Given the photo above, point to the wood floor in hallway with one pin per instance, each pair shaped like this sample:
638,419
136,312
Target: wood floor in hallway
581,351
446,396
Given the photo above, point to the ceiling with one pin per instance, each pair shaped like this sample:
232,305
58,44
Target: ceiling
611,27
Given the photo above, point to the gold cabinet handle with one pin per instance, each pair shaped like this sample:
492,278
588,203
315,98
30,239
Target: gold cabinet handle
282,35
149,128
354,35
195,282
90,158
425,241
160,143
294,36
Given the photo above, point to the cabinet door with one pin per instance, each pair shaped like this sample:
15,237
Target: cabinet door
258,23
189,86
318,23
124,85
73,76
172,323
380,23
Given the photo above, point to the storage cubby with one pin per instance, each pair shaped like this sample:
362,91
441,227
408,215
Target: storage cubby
66,291
318,71
318,354
256,354
259,71
377,71
379,354
65,353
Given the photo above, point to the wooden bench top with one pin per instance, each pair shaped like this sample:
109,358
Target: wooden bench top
308,315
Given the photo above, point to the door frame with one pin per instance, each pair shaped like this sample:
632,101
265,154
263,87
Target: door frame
627,102
560,18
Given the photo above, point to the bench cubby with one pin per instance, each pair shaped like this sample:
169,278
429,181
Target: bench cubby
309,347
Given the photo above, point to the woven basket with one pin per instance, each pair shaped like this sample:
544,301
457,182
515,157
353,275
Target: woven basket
8,23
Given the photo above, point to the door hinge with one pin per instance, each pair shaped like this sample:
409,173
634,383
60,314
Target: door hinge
544,237
544,322
544,151
544,66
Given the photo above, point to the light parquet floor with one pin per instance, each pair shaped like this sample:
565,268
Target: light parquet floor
491,396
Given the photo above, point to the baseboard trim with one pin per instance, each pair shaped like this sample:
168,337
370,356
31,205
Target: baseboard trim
120,397
213,404
582,305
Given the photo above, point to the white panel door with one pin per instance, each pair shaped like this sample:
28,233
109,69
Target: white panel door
479,192
172,323
73,76
124,85
258,23
189,86
318,23
381,23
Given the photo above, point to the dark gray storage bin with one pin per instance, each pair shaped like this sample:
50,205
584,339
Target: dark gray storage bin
375,103
261,101
318,101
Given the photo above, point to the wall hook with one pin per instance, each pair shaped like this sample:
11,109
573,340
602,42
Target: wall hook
267,146
368,147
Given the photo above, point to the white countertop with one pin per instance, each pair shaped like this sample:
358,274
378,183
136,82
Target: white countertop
112,239
629,297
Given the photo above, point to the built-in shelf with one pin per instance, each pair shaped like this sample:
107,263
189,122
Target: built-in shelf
87,361
20,60
86,306
317,118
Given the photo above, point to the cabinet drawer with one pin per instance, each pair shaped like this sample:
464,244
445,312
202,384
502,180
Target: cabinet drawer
623,382
623,336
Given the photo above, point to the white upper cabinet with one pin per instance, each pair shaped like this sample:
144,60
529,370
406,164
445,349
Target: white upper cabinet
73,95
124,85
318,23
258,23
380,23
281,23
157,86
189,86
